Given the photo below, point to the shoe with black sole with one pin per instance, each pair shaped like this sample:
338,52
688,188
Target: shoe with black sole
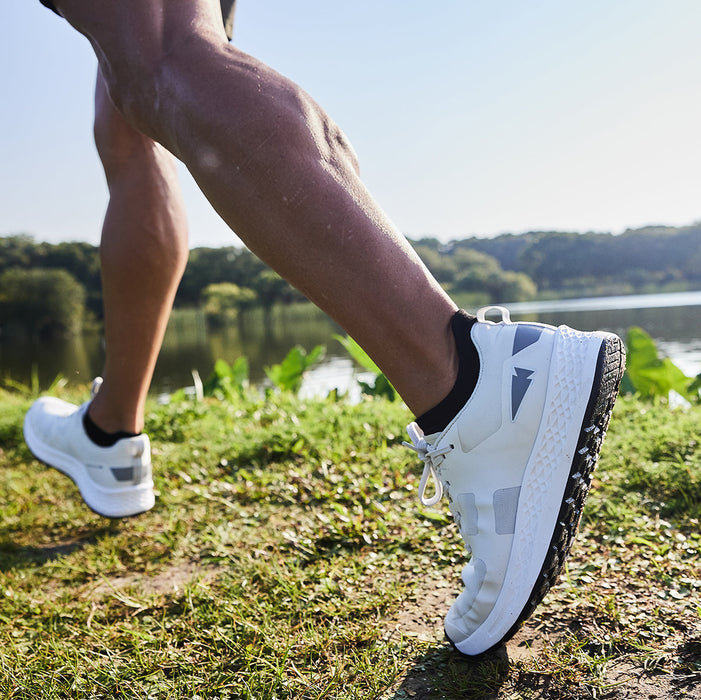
516,464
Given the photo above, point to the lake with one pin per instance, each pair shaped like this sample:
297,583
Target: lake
673,320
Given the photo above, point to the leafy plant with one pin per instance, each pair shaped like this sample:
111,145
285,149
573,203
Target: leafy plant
649,375
381,386
33,390
287,375
227,381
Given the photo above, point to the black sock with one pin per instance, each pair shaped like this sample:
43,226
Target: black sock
436,419
99,436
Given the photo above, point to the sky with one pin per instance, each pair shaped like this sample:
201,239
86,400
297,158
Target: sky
469,117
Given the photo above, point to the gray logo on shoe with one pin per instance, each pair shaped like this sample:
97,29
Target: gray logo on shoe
505,503
520,382
525,335
123,473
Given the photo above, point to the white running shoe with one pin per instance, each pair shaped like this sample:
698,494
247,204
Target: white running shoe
114,481
516,464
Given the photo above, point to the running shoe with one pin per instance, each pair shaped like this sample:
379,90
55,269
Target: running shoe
114,481
516,464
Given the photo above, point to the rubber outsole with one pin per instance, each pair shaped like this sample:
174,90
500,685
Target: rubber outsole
607,379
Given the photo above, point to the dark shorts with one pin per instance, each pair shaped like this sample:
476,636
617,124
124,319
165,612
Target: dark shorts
227,11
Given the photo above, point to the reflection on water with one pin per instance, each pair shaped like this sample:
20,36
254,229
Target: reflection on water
631,301
75,358
673,320
263,339
675,329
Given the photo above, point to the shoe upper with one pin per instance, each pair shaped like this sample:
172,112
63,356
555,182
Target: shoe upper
503,462
491,440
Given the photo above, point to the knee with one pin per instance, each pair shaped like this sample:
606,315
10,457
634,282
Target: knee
127,99
116,140
124,150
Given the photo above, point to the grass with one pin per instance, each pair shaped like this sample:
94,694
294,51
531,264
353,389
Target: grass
288,557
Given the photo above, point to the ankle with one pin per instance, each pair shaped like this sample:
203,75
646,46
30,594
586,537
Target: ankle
437,418
107,415
101,437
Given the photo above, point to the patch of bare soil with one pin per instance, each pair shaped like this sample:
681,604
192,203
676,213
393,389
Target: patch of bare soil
528,667
171,580
621,676
422,616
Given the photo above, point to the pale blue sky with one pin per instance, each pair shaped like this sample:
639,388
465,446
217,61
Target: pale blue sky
469,117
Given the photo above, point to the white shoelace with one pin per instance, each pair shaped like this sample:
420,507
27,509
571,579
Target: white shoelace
95,387
432,458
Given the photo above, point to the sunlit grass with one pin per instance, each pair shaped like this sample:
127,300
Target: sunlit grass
288,557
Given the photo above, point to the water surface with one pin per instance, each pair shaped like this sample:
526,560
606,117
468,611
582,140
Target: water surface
673,320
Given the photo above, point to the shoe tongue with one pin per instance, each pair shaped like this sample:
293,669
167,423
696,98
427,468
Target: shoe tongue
431,439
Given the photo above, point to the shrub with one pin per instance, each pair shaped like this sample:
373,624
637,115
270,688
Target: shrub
41,301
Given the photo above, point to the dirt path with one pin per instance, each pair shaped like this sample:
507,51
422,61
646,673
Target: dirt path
555,656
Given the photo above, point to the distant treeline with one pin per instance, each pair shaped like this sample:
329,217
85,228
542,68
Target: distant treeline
225,281
645,260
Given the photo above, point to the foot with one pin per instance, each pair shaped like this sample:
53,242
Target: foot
114,481
516,464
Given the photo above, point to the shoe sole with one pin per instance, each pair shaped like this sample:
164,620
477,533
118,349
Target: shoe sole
108,504
608,372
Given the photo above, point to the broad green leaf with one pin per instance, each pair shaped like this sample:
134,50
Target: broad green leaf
647,374
357,353
287,375
227,380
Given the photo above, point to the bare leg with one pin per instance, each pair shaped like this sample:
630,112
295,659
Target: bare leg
280,173
143,254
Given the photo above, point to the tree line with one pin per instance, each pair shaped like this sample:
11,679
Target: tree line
645,260
46,287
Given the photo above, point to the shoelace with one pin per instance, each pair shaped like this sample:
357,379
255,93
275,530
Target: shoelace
95,387
432,458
